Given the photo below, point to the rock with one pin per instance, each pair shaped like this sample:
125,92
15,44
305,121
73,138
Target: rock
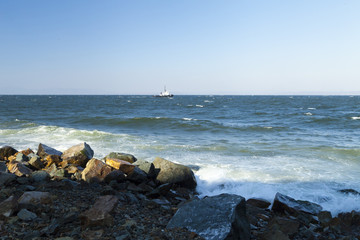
147,167
258,202
285,225
283,203
36,162
160,190
20,157
34,198
95,169
52,158
18,169
121,156
6,178
6,152
115,175
27,152
99,213
324,218
40,176
56,172
3,168
8,206
121,165
137,176
174,173
26,215
79,154
217,217
44,150
349,191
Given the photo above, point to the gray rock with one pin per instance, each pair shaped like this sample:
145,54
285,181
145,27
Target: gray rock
56,172
20,157
218,217
35,161
174,173
283,203
79,154
44,150
147,167
26,215
122,156
6,152
115,175
40,176
137,176
8,206
6,178
3,167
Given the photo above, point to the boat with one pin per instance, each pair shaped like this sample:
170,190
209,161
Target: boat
165,93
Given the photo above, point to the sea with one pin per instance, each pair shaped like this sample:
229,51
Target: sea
306,147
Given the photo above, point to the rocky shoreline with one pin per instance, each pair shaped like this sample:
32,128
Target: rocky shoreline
71,195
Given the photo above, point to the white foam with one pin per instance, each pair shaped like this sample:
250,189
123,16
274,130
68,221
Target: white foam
355,118
200,106
308,114
310,108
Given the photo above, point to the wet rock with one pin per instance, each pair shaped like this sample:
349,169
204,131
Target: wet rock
122,156
137,175
36,162
174,173
349,192
34,198
44,150
218,217
40,176
26,215
99,213
324,218
121,165
95,169
79,154
8,206
283,203
258,202
18,169
285,225
6,178
6,152
147,167
161,190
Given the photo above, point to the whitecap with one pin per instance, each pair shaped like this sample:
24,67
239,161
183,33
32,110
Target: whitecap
355,118
198,105
309,114
187,119
311,108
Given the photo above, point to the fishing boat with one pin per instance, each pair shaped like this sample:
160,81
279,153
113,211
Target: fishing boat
165,93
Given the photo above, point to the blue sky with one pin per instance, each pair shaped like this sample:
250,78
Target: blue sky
192,47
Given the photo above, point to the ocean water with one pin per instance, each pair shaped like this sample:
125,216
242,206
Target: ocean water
307,147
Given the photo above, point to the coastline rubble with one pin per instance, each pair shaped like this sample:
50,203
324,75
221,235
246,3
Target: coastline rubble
71,195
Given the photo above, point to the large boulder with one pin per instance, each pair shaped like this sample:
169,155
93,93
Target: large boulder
147,167
6,178
79,154
35,162
95,170
218,217
44,150
122,156
6,152
174,173
19,169
286,204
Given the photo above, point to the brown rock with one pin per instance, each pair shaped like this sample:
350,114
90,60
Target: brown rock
27,151
36,162
6,152
121,165
99,213
52,158
44,150
95,169
79,154
122,156
18,169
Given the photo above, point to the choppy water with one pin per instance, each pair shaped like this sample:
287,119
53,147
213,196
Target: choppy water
307,147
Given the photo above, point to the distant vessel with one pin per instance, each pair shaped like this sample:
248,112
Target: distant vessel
165,93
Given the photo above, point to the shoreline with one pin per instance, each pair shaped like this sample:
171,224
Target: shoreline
121,197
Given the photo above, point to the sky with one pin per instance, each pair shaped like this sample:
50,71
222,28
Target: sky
191,46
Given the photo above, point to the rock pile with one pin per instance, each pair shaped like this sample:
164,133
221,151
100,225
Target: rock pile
71,195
